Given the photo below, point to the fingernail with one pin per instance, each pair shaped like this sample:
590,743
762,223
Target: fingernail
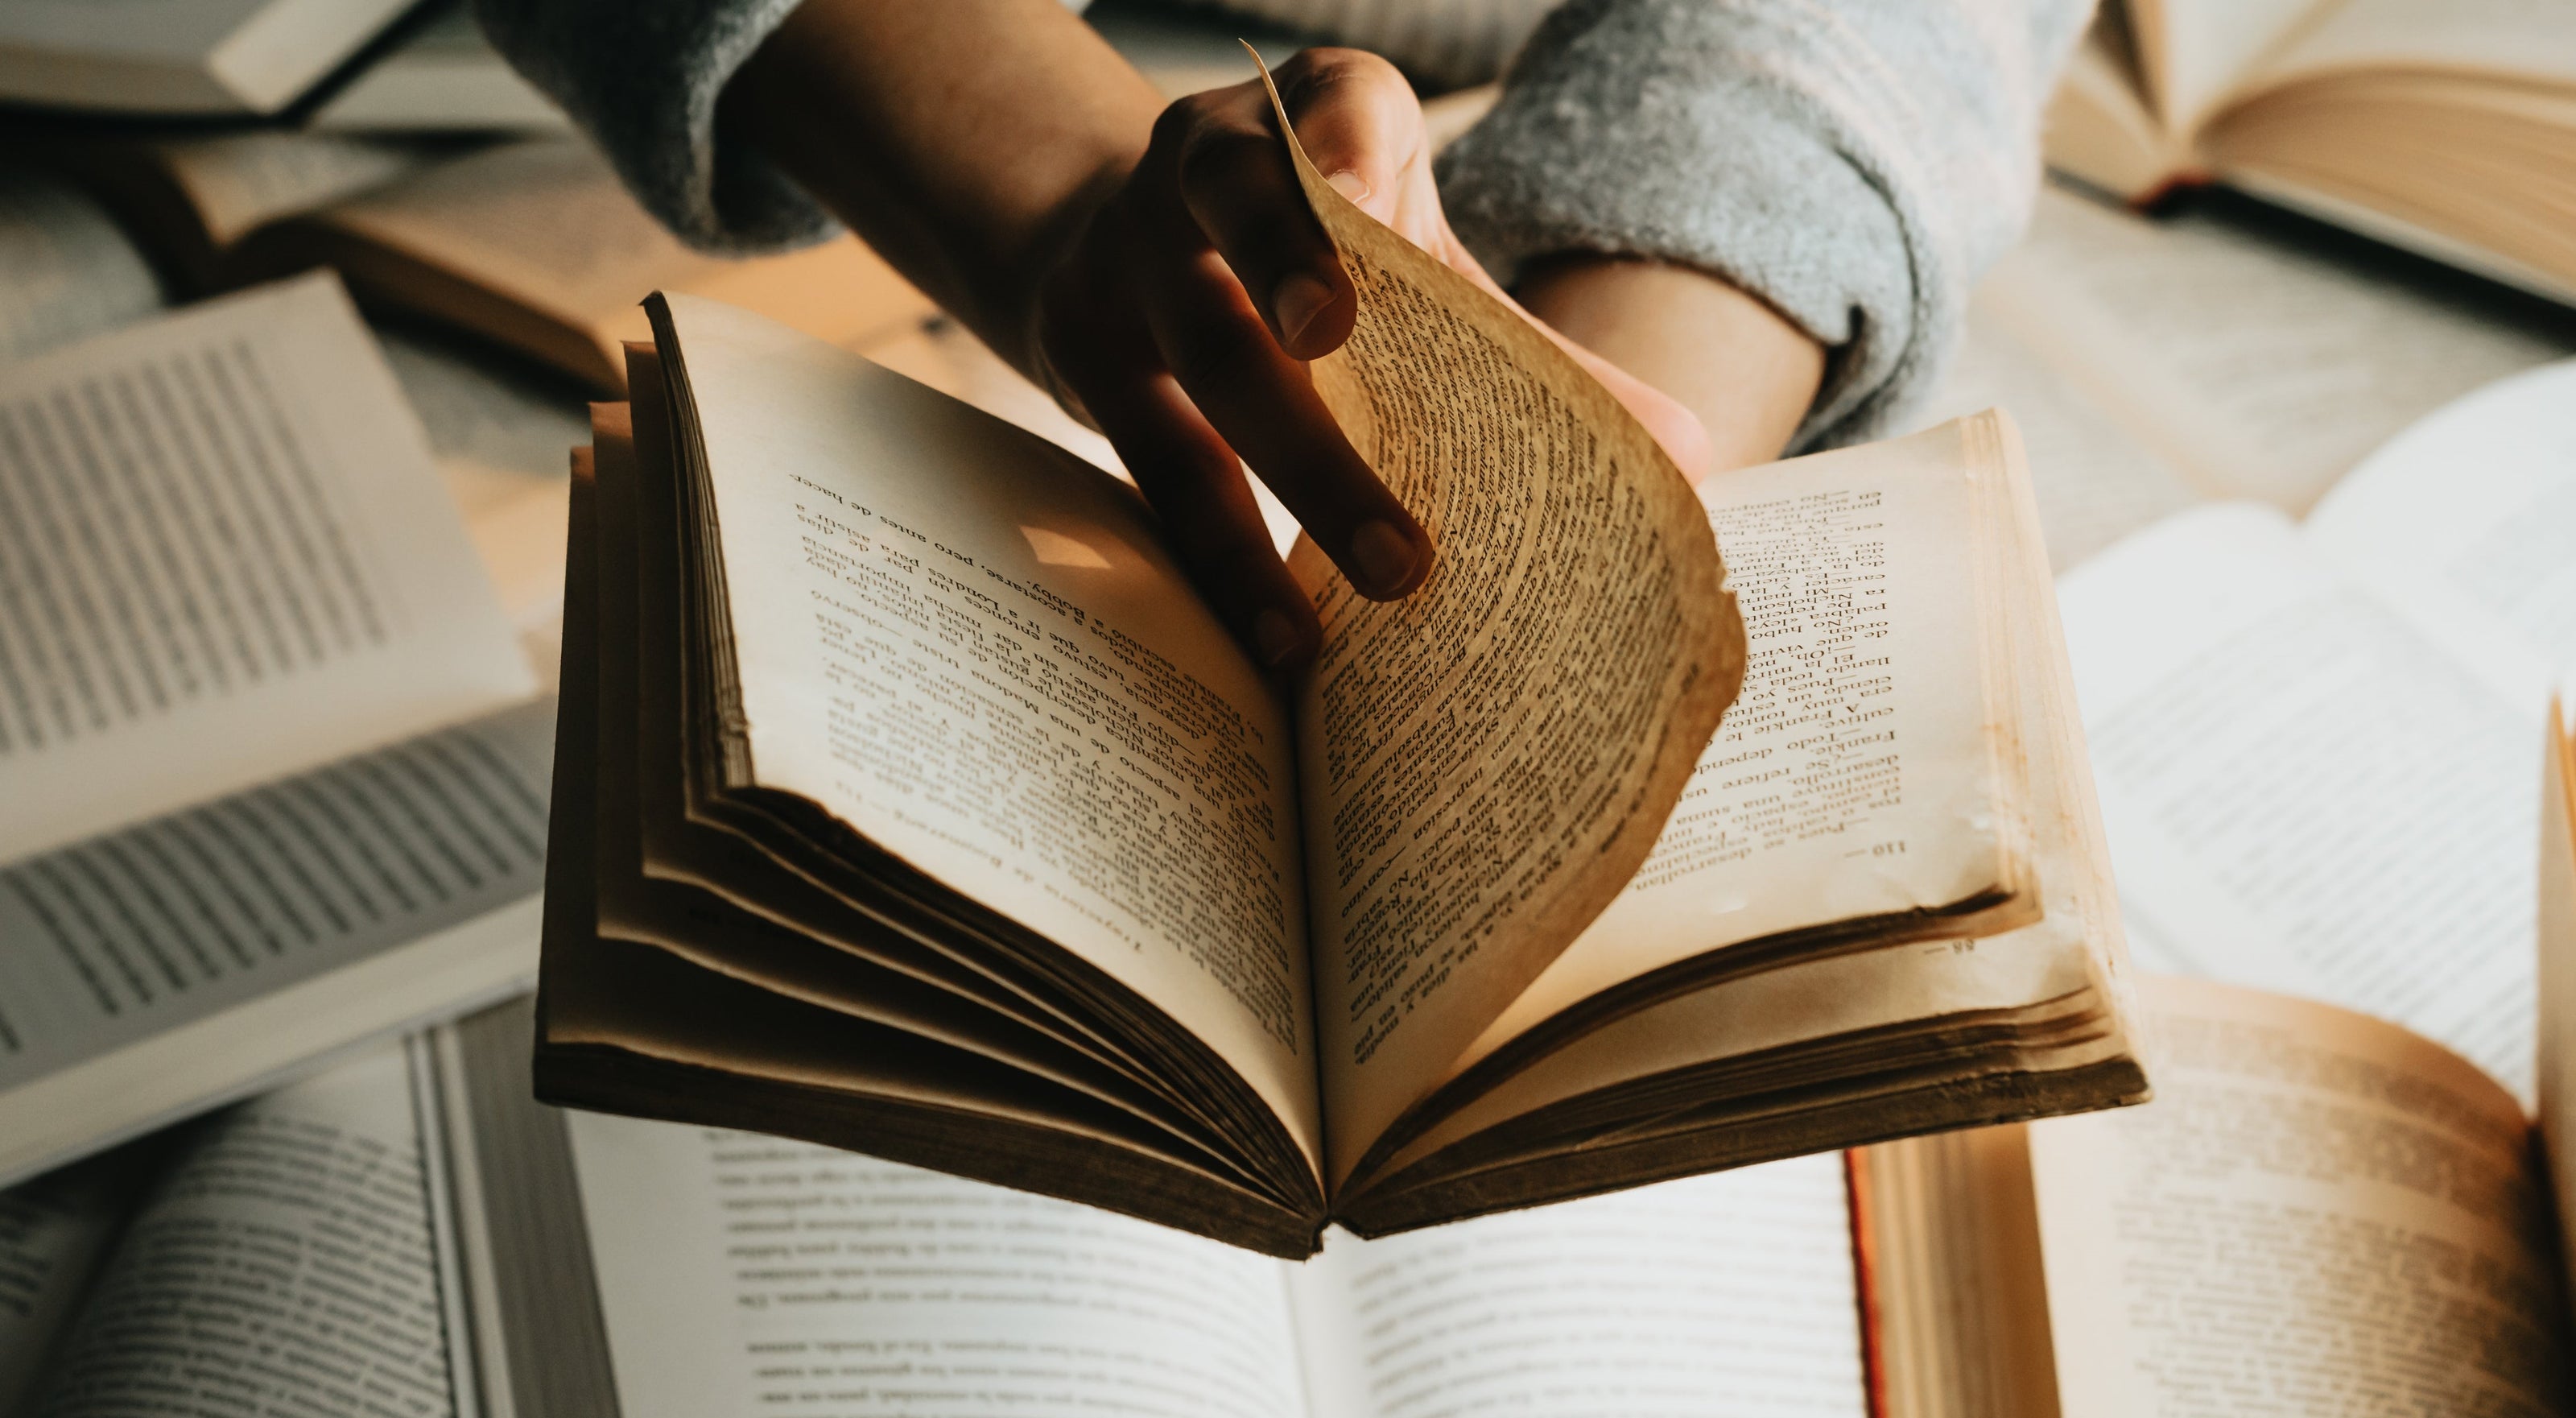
1382,556
1274,637
1298,300
1350,184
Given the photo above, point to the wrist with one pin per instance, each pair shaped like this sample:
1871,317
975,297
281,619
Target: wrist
1748,372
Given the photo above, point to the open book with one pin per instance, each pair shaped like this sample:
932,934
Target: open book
2449,129
279,1258
439,75
622,1269
2318,1207
237,601
948,825
2313,746
532,244
223,528
180,56
2312,742
2153,364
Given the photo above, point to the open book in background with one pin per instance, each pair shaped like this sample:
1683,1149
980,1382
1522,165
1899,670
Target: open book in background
2321,1212
1878,910
533,245
2313,748
2312,742
2211,355
439,75
2446,128
247,821
282,1257
196,57
625,1269
226,529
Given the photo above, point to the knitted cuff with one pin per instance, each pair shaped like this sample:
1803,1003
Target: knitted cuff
1757,141
642,80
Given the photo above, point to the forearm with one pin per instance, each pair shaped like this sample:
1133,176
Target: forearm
957,137
1747,372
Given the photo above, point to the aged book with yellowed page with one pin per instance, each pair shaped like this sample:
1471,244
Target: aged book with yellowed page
2322,1211
908,800
532,244
2449,129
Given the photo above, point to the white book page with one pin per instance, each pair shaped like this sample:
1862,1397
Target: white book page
284,1265
745,1275
2523,38
138,932
71,272
2250,370
2095,481
973,649
2465,525
2197,50
224,556
2302,792
1728,1293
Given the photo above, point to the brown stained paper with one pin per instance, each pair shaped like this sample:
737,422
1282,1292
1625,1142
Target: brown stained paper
1486,762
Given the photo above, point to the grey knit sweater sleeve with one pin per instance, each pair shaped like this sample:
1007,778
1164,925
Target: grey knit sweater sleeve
1855,163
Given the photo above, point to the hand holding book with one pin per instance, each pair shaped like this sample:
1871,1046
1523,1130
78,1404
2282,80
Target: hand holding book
909,800
1163,277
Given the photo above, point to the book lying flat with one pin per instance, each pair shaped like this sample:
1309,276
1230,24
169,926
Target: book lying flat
282,1257
209,57
441,75
2151,364
948,825
2318,1206
183,962
269,780
2237,670
229,560
615,1268
533,244
2313,746
2446,129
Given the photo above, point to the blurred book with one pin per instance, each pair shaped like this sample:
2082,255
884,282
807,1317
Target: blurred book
2446,129
230,560
66,270
2314,746
2155,364
282,1257
2318,1206
2313,739
534,245
441,75
238,598
205,57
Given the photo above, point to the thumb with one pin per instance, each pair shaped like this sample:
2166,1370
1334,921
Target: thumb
1359,122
